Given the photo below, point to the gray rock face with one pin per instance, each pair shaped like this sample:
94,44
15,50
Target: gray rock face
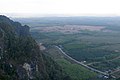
1,42
20,55
18,51
21,30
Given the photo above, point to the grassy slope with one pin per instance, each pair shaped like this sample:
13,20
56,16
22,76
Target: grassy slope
75,71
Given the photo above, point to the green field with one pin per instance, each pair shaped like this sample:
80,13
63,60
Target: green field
75,71
99,49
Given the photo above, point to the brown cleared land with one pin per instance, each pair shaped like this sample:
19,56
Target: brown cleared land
67,29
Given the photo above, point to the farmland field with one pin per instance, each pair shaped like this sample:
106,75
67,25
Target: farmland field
94,41
99,49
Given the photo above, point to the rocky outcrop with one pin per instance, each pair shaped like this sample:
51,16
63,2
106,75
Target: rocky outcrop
20,56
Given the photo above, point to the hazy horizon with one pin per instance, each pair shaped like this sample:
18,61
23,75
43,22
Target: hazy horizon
29,15
43,8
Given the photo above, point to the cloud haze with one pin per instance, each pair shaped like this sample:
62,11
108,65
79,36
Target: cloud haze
66,7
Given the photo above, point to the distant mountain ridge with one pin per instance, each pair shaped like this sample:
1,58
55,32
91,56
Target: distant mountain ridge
20,56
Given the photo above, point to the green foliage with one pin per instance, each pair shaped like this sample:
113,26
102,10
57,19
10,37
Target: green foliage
18,47
75,71
98,49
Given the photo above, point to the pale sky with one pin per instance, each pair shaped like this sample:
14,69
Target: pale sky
31,8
